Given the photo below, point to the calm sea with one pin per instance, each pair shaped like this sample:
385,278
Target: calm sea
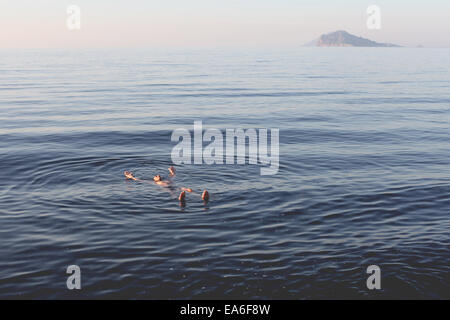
364,174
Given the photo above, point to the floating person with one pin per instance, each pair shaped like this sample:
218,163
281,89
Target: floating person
169,183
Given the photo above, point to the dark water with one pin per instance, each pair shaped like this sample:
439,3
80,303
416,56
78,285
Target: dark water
364,174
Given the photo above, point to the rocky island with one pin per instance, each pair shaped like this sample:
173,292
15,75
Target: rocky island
344,39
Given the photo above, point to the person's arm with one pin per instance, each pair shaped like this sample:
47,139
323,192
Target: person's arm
173,172
129,175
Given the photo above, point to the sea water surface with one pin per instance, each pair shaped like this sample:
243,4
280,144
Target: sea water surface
364,175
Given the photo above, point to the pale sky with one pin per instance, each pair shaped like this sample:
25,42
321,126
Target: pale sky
216,23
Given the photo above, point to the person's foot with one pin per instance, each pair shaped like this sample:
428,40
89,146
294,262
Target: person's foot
205,196
172,170
186,189
182,196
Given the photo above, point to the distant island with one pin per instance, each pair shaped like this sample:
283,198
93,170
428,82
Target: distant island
344,39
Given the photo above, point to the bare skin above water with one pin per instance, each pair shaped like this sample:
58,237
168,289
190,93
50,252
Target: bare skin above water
166,183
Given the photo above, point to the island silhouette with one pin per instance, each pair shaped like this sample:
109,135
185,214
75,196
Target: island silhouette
342,38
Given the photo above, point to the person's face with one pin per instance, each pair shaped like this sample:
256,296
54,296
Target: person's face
157,178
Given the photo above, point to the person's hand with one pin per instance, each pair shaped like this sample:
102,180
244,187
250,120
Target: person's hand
129,175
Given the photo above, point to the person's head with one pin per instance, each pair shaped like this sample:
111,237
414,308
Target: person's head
157,178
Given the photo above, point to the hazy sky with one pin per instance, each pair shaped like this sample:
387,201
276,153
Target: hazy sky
194,23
